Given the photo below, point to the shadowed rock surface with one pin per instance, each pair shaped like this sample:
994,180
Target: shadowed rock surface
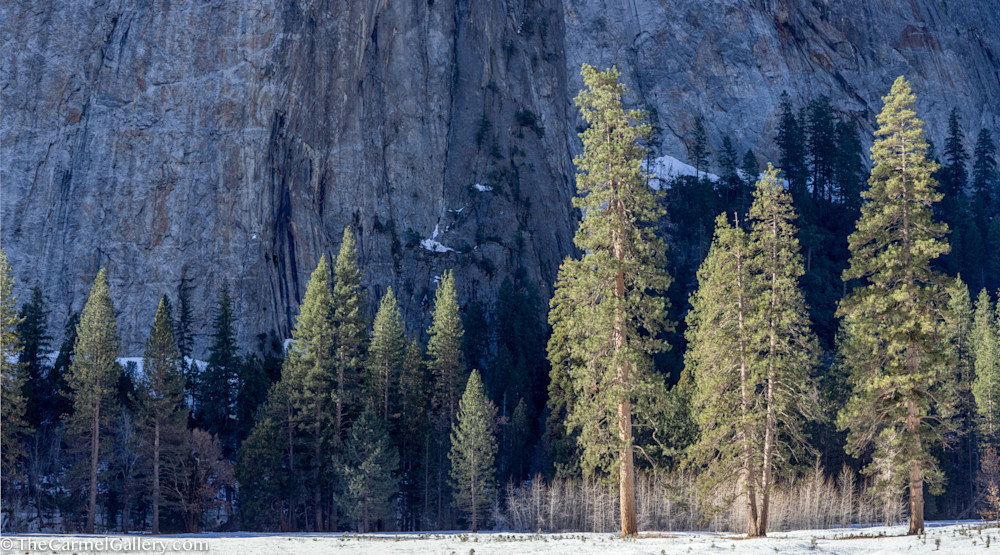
232,141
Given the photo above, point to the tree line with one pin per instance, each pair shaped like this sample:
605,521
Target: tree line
802,318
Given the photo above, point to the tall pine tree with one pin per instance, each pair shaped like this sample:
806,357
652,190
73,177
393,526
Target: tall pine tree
93,381
311,366
473,451
12,401
163,407
386,355
902,402
351,327
607,316
447,365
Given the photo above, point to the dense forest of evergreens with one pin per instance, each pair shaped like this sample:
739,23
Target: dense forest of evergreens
801,326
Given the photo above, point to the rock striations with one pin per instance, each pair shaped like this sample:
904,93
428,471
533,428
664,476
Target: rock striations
230,142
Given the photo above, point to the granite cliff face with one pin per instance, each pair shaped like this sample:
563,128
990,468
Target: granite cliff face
231,142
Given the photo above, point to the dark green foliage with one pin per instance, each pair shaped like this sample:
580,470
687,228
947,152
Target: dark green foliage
821,145
368,472
216,389
698,149
791,147
182,326
476,341
33,333
848,167
413,437
262,477
473,452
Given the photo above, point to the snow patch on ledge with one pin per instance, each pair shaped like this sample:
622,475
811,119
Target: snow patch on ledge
433,245
482,188
667,167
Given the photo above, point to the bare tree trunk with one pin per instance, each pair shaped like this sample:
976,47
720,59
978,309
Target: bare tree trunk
156,476
916,477
317,454
748,451
771,419
291,470
95,443
475,508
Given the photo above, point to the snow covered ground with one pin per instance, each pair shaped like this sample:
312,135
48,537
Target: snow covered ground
966,537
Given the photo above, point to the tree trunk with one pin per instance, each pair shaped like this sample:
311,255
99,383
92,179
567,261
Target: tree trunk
291,471
317,453
916,476
475,508
770,423
156,476
748,452
95,439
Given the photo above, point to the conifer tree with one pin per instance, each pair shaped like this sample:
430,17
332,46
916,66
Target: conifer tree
791,147
162,404
33,333
447,366
12,402
182,329
955,173
311,366
60,369
444,349
698,147
215,394
606,315
386,355
93,382
821,142
413,434
848,166
473,451
985,179
262,476
351,327
751,171
368,471
901,370
750,339
986,387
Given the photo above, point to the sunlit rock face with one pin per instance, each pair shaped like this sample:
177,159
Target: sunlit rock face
229,143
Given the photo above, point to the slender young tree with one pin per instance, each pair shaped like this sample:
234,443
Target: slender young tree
412,434
606,314
163,408
986,386
750,339
12,402
93,381
788,348
473,451
312,366
985,179
351,327
368,471
386,355
902,376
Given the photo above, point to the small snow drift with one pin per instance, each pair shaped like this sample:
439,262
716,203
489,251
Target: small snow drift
667,167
